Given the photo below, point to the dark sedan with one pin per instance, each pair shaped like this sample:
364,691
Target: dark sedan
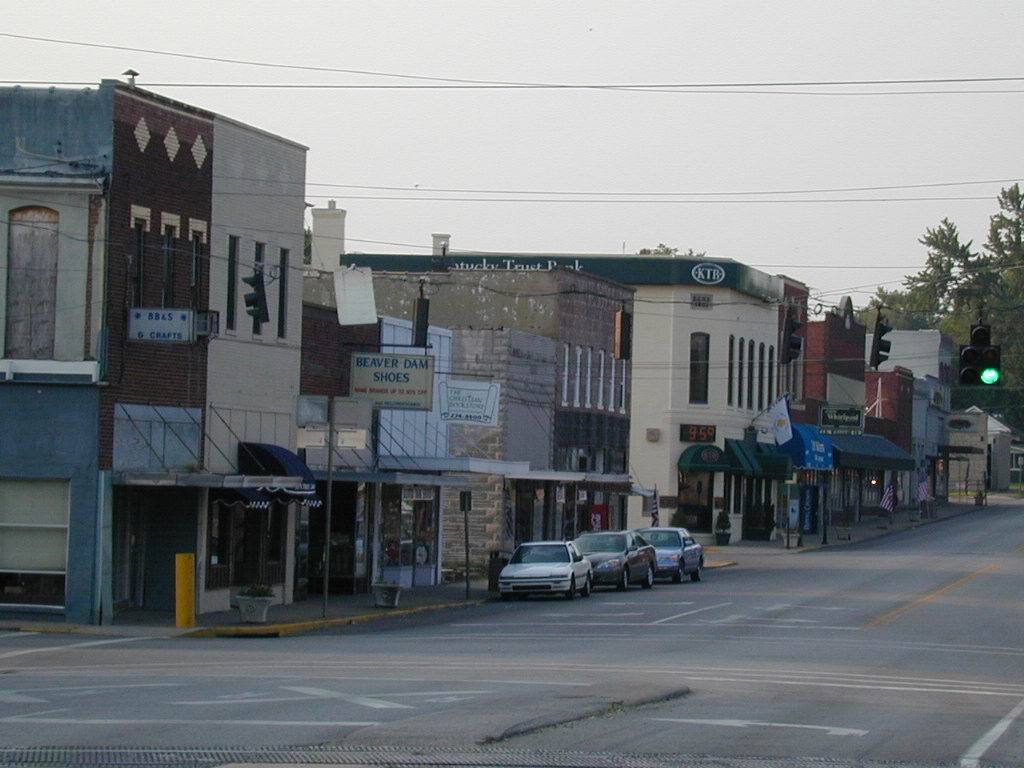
620,558
678,553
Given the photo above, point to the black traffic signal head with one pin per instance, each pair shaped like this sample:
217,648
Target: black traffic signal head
981,360
256,300
791,343
880,346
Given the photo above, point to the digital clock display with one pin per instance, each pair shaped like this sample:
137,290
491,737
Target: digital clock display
697,433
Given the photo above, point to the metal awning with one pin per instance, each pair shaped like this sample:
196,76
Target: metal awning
869,452
705,458
261,457
548,474
776,464
744,455
466,464
201,480
389,478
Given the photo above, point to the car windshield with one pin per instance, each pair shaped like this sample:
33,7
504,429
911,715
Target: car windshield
662,538
601,542
540,553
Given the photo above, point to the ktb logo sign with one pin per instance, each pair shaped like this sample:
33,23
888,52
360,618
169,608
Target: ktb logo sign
708,274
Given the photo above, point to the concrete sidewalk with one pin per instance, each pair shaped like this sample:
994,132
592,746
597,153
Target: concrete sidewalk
282,620
865,530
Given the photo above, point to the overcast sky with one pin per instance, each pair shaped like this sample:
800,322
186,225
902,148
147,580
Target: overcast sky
600,140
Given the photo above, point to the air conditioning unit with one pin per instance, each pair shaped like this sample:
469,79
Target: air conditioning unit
207,324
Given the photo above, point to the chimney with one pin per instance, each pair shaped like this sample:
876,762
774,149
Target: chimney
441,243
328,237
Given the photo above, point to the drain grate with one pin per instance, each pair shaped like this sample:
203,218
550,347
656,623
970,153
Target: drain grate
44,757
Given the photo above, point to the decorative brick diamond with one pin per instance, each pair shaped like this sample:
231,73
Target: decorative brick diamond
199,151
171,143
142,134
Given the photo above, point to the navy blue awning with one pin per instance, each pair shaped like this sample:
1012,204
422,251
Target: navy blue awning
869,452
808,448
269,459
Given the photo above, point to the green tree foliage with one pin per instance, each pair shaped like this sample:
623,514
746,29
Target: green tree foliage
959,284
665,250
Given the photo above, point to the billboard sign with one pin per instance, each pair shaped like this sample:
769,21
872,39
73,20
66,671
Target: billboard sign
841,420
470,402
404,382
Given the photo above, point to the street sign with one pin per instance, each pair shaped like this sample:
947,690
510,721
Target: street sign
393,381
156,324
470,402
841,420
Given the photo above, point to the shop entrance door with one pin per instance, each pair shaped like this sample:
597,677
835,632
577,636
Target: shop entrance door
695,497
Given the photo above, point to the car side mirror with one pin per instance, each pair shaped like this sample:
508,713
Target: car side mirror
688,542
633,548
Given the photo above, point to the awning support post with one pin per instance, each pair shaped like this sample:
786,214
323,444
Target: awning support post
327,503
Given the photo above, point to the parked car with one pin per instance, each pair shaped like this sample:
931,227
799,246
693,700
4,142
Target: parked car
620,558
545,567
678,552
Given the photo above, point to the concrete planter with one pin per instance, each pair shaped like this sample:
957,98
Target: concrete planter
253,610
386,595
722,538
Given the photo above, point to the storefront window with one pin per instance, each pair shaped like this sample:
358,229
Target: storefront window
695,495
33,541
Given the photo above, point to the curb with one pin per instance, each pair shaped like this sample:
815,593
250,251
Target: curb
716,564
285,629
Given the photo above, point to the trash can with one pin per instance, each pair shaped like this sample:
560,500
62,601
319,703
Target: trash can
498,559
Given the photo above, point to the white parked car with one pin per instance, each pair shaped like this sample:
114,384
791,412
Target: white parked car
545,567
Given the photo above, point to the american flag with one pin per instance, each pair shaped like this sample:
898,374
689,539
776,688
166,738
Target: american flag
889,498
655,517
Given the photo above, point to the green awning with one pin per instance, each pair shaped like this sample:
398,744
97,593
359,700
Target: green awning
744,456
776,463
705,458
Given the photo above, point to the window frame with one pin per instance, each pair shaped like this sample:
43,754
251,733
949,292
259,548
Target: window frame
578,377
282,293
232,293
590,377
565,373
259,255
739,372
730,376
600,380
169,247
700,368
760,376
750,374
771,372
139,228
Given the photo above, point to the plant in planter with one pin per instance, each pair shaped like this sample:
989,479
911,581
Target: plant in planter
722,526
386,594
253,602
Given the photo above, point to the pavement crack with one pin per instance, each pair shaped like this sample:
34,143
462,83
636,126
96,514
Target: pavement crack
601,709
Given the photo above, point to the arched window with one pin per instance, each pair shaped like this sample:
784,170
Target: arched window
30,323
739,376
760,377
699,359
750,374
732,373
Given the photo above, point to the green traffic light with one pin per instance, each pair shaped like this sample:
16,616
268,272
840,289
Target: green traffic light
990,376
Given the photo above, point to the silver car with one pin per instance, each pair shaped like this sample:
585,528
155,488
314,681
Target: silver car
679,554
546,567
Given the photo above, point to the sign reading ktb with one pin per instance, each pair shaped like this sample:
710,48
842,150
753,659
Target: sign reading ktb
154,324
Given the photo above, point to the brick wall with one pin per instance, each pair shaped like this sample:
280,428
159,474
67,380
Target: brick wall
896,409
158,373
327,351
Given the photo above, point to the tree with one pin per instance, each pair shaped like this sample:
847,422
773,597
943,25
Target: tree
958,285
664,250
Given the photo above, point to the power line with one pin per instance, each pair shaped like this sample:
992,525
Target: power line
471,82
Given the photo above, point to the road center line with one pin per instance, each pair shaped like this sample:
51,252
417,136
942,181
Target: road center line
364,701
830,729
971,758
891,615
690,613
17,634
89,644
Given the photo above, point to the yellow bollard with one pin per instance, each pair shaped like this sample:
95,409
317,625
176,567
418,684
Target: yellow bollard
184,590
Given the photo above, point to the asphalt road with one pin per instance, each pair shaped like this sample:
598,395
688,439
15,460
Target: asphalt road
906,648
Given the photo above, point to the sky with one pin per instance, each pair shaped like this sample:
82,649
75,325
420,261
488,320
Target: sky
751,139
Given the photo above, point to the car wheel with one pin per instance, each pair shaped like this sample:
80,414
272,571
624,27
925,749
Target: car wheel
677,577
587,588
699,573
571,593
623,584
648,582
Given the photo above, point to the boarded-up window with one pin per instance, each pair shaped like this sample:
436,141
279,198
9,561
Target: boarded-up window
31,284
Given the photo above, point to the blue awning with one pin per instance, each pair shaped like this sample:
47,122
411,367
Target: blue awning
870,452
808,448
269,459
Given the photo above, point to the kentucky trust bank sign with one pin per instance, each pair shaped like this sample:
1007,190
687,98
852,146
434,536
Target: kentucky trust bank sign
630,270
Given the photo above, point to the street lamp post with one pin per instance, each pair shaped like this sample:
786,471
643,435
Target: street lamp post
327,504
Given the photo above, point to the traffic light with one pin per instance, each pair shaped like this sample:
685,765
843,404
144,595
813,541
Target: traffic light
981,360
256,300
880,346
791,343
420,322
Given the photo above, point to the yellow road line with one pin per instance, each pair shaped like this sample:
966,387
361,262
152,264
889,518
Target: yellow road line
890,616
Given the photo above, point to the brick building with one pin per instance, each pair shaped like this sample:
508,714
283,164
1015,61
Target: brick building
129,275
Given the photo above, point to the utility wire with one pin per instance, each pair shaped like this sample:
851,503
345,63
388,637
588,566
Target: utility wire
516,83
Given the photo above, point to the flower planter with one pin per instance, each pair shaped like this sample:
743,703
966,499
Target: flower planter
722,538
253,610
386,595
